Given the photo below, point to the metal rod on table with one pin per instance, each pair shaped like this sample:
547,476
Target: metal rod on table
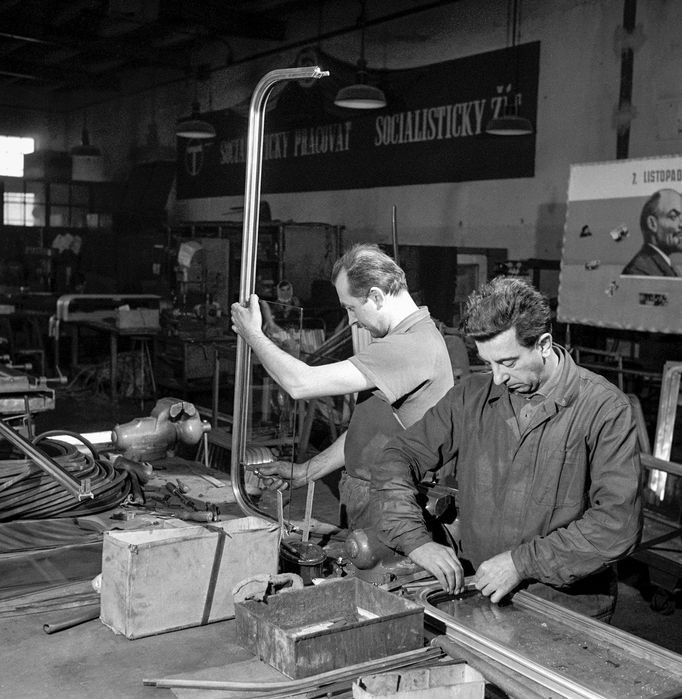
88,615
310,495
216,386
280,513
254,154
399,660
207,462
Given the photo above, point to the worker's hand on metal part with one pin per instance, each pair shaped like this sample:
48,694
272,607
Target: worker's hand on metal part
497,576
247,320
442,563
280,475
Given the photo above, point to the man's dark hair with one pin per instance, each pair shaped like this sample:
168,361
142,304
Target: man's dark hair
505,303
367,266
650,208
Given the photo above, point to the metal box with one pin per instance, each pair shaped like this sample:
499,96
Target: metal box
448,681
158,580
329,626
138,318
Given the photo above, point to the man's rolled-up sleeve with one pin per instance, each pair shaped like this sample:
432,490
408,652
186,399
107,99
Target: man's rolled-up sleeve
611,526
405,460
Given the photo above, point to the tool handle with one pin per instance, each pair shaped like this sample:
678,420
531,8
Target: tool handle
203,516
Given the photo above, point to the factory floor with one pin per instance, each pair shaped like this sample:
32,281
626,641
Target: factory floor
89,660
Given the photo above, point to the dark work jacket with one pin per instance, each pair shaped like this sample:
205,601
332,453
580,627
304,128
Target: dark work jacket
563,496
648,262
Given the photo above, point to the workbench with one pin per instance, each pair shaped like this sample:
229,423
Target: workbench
144,335
90,660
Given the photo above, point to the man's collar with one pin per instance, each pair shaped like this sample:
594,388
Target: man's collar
553,379
661,253
410,319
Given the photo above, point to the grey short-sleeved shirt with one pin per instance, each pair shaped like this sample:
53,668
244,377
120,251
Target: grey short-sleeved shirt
411,370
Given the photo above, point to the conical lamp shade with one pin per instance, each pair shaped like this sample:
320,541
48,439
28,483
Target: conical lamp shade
509,125
360,96
194,127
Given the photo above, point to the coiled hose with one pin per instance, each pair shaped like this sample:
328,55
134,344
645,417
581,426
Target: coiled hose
28,492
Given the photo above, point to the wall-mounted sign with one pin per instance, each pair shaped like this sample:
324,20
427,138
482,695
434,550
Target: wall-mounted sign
432,130
622,251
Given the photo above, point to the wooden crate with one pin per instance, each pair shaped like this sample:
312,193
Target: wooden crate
158,580
329,626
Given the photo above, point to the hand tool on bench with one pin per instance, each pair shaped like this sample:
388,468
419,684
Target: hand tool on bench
280,513
175,490
189,515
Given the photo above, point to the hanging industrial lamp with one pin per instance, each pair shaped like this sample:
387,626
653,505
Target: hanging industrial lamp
509,123
361,95
195,126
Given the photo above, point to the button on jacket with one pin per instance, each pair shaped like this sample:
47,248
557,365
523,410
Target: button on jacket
563,495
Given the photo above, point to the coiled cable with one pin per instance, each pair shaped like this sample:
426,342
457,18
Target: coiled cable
28,492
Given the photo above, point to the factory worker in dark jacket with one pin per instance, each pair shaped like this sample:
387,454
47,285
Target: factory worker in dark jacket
547,466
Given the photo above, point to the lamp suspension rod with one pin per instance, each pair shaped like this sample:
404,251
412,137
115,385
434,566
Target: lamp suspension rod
515,29
362,34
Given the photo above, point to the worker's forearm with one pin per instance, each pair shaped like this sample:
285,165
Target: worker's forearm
286,370
327,461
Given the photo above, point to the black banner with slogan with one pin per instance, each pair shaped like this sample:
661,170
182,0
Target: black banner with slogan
432,130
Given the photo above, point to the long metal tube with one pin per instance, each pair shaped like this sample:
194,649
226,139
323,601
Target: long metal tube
254,155
630,666
80,489
494,652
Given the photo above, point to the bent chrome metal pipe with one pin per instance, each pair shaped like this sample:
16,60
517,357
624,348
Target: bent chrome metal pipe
254,156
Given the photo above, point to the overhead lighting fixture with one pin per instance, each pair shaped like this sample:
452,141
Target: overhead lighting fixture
510,123
195,126
361,95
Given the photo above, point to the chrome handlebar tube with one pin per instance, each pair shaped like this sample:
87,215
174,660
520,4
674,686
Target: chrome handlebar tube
254,157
